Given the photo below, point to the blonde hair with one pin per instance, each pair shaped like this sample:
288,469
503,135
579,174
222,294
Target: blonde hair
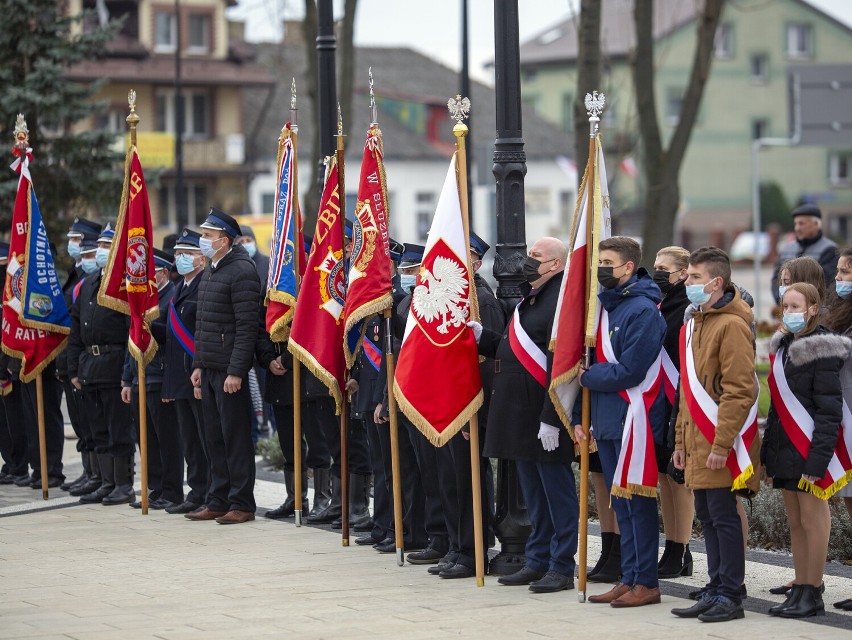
678,254
812,298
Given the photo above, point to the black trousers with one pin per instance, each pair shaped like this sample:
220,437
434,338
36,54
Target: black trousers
427,462
312,454
227,432
359,456
413,499
198,472
165,457
73,400
382,495
110,419
13,435
321,429
723,539
54,423
455,480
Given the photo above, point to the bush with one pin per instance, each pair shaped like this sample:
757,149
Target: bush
270,450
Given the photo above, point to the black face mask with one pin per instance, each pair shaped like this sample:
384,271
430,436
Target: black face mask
530,269
661,278
606,279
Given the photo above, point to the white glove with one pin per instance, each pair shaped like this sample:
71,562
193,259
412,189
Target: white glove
476,328
549,436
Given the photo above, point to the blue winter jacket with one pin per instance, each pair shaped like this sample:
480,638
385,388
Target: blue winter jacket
636,331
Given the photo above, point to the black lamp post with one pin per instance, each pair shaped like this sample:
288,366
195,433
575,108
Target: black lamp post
512,524
326,46
180,192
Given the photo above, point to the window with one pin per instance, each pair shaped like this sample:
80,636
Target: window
839,165
165,32
267,202
759,68
674,103
723,42
799,41
759,128
425,211
112,120
537,200
199,33
567,112
197,109
197,204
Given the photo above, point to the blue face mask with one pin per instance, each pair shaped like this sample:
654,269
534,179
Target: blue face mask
794,322
696,294
781,290
843,289
251,248
74,250
89,265
406,282
206,246
101,257
184,264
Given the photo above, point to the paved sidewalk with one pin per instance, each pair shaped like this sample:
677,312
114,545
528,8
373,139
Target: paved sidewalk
93,572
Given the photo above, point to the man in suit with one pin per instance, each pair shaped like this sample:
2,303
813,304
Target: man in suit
226,335
179,353
520,408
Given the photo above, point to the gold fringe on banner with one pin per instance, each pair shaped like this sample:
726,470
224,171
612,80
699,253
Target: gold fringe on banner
437,439
308,360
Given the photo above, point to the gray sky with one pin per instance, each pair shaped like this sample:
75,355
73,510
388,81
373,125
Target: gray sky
433,27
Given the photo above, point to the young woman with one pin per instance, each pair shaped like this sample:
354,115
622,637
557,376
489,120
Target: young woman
677,503
839,320
801,433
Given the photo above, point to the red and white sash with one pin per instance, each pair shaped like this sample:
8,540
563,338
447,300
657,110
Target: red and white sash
705,413
636,472
533,359
798,424
671,376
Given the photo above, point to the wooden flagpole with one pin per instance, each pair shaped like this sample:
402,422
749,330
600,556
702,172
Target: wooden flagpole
394,439
587,360
344,405
133,120
297,367
459,110
42,443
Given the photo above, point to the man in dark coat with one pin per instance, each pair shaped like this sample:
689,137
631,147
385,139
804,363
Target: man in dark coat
454,471
81,229
523,426
97,346
226,336
165,459
179,353
631,299
810,241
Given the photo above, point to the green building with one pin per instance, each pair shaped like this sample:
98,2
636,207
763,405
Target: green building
747,97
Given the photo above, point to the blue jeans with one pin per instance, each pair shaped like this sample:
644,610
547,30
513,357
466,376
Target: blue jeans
554,510
639,524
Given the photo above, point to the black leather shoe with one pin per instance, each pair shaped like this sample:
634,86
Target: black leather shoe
457,571
70,484
521,578
783,590
385,547
365,540
280,513
92,484
552,582
427,556
160,503
436,569
52,482
123,494
722,610
843,604
702,606
698,594
137,504
183,507
23,481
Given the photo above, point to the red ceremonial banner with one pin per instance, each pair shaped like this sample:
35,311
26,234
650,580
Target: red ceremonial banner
316,332
437,382
36,343
128,284
369,282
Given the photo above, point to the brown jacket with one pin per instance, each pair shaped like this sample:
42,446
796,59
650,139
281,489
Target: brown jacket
723,348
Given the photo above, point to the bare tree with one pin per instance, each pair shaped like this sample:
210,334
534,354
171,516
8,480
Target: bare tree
662,166
588,74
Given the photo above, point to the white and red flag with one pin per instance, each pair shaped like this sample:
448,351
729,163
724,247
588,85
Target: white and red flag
574,330
437,383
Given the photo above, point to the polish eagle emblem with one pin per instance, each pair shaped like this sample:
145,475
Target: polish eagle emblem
442,294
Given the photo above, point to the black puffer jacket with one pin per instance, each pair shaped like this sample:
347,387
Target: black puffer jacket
95,325
226,327
812,366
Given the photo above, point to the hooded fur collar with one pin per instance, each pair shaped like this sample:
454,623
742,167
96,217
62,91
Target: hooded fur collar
820,345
